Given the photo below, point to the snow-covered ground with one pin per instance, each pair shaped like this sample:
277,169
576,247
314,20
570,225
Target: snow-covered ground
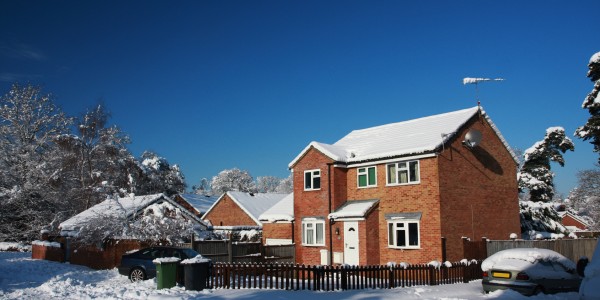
24,278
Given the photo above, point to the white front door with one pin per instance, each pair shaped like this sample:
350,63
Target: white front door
351,243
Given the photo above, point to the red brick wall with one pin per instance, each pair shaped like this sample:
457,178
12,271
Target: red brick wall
47,253
369,232
310,204
227,213
478,190
569,221
277,231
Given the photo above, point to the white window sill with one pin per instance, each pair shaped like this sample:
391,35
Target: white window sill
401,184
405,248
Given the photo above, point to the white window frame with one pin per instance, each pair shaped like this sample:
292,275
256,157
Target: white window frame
312,179
366,173
407,169
310,234
393,243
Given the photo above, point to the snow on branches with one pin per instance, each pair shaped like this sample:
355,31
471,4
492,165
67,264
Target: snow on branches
535,174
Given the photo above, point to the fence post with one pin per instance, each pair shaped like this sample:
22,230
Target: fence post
229,250
344,278
391,280
432,275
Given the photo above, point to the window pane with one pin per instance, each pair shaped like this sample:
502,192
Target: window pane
362,180
310,236
400,237
316,183
402,176
413,234
303,233
320,233
372,176
391,234
414,170
391,173
307,180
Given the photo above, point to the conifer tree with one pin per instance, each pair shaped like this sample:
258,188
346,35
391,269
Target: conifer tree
535,174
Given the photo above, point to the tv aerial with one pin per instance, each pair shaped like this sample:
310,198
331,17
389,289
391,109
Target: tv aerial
476,81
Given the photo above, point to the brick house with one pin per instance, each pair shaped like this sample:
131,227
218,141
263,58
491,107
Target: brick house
278,223
74,248
572,221
394,193
240,209
195,203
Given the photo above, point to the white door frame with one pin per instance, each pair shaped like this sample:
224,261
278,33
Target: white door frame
351,241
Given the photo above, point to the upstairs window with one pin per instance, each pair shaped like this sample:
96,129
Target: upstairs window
406,172
367,177
312,180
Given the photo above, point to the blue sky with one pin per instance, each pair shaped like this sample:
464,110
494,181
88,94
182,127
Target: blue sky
212,85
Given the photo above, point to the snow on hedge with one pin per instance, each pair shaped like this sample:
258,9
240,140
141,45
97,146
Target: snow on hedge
46,244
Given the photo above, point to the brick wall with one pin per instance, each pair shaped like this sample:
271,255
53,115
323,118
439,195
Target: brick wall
277,231
478,188
311,203
569,221
228,213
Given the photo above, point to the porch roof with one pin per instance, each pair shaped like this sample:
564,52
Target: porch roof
354,209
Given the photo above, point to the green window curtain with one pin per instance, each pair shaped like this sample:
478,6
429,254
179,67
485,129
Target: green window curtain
372,176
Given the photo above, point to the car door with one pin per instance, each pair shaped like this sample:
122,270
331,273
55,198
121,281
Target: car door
569,279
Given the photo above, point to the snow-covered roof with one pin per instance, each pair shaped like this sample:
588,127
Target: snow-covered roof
253,204
201,203
413,137
524,258
109,208
281,211
353,209
575,217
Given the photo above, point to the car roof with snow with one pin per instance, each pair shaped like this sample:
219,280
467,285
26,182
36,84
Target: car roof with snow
524,257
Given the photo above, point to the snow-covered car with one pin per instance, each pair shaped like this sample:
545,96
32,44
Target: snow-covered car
529,271
590,286
138,265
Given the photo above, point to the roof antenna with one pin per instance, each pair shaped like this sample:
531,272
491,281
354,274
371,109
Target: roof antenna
476,81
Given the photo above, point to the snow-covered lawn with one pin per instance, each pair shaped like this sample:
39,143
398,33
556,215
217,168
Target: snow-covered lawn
24,278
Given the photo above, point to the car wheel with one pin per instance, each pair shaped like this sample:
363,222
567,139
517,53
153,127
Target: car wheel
538,290
137,274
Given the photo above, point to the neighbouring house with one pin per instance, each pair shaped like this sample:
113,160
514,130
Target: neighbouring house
573,222
237,213
405,192
278,223
196,203
98,236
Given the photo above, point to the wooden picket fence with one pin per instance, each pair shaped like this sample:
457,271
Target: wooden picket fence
330,278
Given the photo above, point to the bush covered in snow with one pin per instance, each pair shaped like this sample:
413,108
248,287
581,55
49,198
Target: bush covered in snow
539,218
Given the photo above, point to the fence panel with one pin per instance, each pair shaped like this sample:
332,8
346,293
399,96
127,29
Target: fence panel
570,248
331,278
